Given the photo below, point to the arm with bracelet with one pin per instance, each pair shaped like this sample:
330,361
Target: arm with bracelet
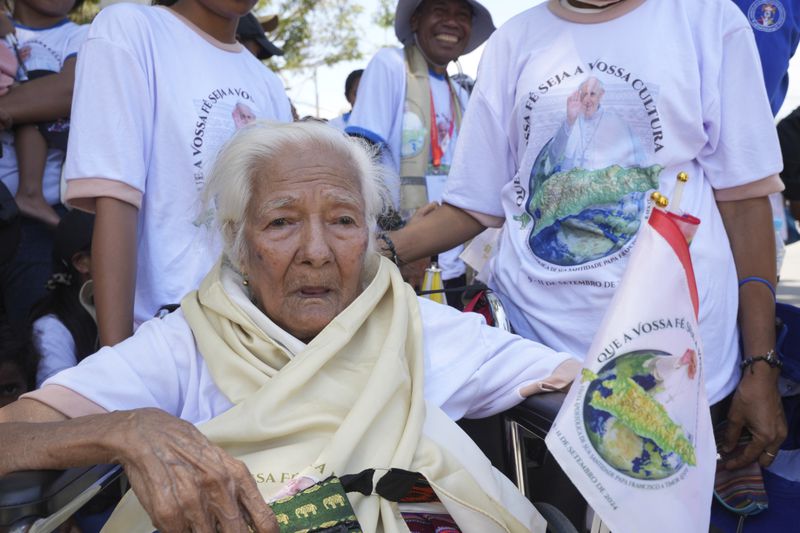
756,404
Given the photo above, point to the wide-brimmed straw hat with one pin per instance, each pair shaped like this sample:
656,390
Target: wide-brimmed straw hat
482,25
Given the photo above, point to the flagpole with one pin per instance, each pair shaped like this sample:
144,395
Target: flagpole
682,178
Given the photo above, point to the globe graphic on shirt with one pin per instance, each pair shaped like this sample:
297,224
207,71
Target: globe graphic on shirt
627,425
582,215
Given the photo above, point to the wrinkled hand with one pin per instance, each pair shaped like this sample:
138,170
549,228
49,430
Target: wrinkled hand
186,483
756,406
573,107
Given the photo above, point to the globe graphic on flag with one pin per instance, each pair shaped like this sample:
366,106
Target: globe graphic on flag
627,425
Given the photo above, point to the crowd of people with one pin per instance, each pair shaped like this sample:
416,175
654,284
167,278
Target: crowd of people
224,301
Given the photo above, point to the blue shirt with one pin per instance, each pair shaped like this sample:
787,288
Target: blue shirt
776,25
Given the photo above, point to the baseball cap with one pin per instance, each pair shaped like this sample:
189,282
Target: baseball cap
250,29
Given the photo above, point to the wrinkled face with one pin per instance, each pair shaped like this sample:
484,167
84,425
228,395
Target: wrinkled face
443,28
591,94
12,383
306,236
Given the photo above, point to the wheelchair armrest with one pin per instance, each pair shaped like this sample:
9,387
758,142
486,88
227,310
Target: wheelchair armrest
537,413
42,493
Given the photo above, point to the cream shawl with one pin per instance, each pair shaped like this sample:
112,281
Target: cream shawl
351,399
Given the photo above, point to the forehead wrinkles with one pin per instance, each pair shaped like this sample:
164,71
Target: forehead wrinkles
283,184
304,160
338,197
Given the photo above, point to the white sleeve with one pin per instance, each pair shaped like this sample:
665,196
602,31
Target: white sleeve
75,41
56,347
484,160
112,110
742,142
380,93
474,370
150,369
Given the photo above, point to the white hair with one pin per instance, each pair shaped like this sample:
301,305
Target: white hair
256,147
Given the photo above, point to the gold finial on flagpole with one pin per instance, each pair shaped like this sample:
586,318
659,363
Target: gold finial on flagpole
682,178
659,199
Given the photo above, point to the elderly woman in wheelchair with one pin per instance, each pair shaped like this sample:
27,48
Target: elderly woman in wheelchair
302,355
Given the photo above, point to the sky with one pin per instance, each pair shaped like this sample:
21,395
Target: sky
329,87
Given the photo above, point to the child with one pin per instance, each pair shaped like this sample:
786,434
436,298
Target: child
159,89
8,57
45,41
63,321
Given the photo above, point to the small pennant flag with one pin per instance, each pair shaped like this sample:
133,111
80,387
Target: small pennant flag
634,434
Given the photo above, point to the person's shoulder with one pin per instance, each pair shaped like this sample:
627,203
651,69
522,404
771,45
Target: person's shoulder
390,57
172,330
433,314
526,16
519,32
118,20
522,22
124,11
77,29
727,15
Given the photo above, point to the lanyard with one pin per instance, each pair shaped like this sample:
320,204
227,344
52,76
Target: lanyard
436,149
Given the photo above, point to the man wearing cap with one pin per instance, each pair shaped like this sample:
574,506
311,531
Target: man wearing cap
251,34
409,106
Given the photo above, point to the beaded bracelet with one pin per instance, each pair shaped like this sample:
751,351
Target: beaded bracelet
771,358
759,280
389,247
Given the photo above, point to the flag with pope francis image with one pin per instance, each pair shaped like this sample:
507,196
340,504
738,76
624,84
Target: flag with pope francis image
634,434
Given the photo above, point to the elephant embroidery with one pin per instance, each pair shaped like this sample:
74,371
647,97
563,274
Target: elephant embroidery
305,510
332,502
282,519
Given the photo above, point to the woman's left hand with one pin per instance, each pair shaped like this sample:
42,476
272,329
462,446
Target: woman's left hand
756,406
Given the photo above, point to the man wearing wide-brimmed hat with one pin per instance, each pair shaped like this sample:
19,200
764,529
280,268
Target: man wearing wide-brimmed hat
410,107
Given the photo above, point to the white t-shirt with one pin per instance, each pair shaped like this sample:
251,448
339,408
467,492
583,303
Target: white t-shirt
378,116
675,97
56,347
49,48
155,99
471,369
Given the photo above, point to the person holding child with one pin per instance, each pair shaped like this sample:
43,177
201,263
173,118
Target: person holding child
33,131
